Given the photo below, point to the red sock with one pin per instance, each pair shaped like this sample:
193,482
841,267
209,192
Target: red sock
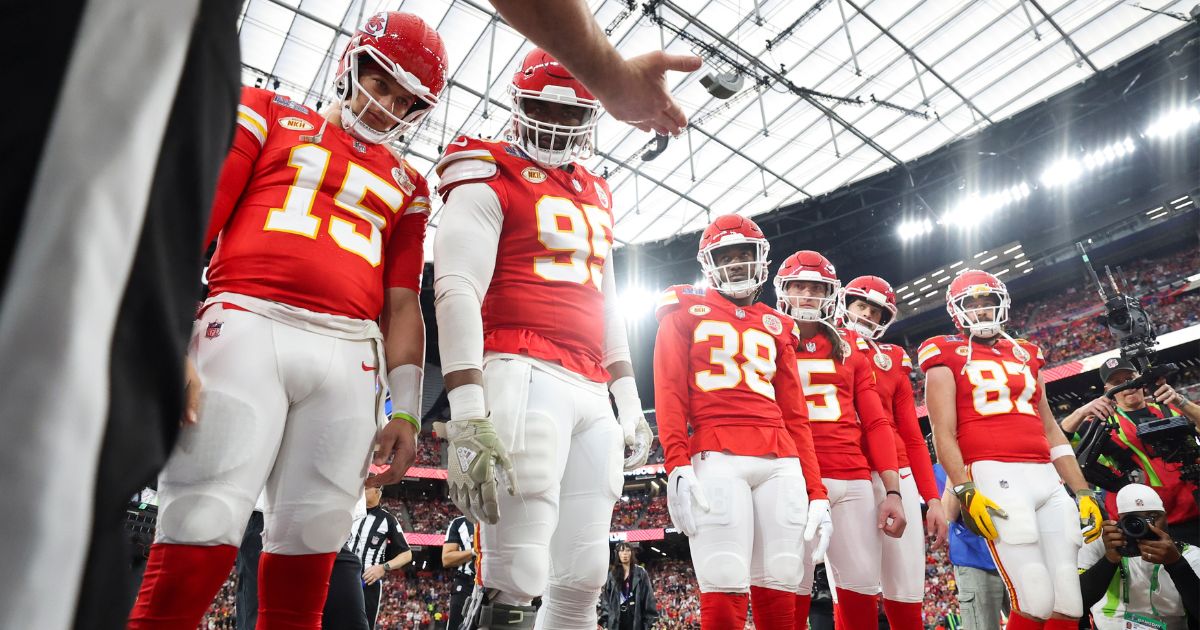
179,585
1061,624
292,590
773,608
803,605
903,615
856,611
723,611
1018,621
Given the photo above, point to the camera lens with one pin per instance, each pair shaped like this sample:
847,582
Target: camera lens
1134,527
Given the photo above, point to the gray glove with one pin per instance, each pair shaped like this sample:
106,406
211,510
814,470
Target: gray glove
477,461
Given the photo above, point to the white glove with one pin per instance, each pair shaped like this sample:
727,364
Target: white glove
684,490
477,462
638,436
819,528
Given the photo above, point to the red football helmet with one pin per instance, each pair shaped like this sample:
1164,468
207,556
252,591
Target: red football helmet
540,80
810,266
874,290
979,321
411,52
727,230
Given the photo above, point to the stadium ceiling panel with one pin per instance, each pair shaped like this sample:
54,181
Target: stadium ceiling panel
835,90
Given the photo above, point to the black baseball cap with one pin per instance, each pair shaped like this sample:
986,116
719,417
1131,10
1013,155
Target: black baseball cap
1115,364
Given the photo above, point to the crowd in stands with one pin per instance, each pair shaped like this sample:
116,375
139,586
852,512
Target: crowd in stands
429,451
428,514
413,601
941,592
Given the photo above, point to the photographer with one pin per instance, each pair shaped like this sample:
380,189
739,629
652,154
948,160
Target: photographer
627,602
1133,576
1133,407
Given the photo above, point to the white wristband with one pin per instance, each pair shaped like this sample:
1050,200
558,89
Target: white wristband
625,394
404,382
1062,450
467,402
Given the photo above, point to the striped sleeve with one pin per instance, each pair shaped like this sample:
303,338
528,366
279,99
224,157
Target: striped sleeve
667,301
905,361
253,121
930,355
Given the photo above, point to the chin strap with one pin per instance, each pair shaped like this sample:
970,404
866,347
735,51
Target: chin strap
971,335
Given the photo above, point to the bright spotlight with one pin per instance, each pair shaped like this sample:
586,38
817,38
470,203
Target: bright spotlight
908,230
1066,170
1173,123
636,303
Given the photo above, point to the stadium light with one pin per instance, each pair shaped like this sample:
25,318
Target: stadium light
1173,123
1066,170
975,208
636,303
909,230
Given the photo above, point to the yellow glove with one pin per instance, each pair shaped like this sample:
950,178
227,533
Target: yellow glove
978,510
1091,518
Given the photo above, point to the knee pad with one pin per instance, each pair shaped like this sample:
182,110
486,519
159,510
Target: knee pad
1068,600
1035,592
783,564
205,517
722,571
566,608
524,575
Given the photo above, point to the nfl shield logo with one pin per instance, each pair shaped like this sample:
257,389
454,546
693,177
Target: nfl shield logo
214,330
810,347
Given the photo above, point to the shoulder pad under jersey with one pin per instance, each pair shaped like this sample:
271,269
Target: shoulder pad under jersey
467,160
677,296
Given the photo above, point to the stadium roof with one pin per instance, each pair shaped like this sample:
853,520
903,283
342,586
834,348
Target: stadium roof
835,90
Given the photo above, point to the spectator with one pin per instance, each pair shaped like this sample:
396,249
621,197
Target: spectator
980,589
1143,588
627,601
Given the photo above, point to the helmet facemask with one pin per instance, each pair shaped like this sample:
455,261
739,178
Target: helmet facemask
736,279
553,144
348,87
984,322
790,304
860,324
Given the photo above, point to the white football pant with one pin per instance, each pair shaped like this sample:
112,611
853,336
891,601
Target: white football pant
852,560
1038,544
284,409
903,559
566,448
753,533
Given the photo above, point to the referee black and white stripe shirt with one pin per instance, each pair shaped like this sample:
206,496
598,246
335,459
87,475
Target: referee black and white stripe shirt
376,537
462,533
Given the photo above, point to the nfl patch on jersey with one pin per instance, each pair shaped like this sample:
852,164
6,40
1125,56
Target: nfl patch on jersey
289,103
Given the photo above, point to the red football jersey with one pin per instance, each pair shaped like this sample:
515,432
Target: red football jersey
728,372
844,408
545,298
996,397
310,217
892,369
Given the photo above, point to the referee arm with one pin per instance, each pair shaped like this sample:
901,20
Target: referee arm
399,553
453,555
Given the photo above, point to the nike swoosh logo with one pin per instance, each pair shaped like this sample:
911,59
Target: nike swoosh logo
460,142
906,476
367,368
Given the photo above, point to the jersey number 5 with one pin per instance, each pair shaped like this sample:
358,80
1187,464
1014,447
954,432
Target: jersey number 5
578,232
828,409
757,350
311,163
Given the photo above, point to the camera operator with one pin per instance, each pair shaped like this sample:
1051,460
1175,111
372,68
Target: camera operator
1133,407
1133,576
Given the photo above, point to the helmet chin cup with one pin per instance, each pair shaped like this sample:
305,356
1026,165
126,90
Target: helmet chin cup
862,328
805,314
984,331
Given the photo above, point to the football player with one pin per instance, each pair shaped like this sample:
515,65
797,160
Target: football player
852,436
1005,456
531,333
321,227
867,305
744,485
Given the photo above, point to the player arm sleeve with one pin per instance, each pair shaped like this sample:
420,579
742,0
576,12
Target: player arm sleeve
616,339
406,247
790,396
904,410
248,139
877,431
464,259
671,390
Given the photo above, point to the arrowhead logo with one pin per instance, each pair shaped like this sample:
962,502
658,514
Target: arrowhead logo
465,457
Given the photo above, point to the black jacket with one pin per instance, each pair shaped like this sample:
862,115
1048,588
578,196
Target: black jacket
645,611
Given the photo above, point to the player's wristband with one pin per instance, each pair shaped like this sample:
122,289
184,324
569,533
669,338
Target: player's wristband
467,402
400,415
404,383
1062,450
895,492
